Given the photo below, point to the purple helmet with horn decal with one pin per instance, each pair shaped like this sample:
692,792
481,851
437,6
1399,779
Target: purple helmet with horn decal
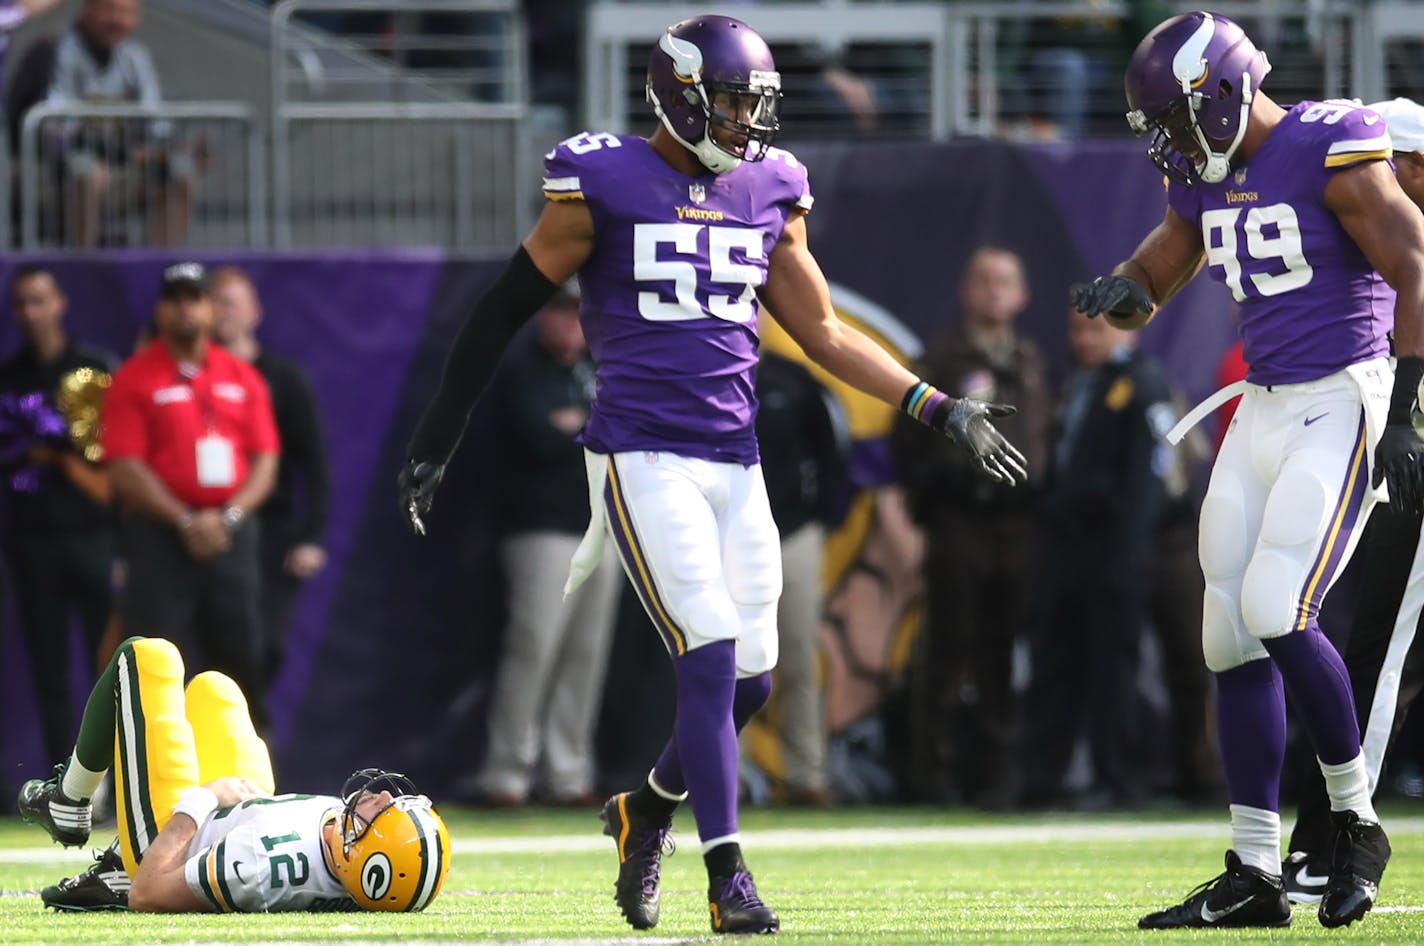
714,72
1190,82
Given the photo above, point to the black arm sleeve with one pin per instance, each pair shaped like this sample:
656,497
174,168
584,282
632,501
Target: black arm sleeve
519,292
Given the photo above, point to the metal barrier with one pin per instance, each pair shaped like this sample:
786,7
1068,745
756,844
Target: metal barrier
179,174
406,135
430,175
1034,67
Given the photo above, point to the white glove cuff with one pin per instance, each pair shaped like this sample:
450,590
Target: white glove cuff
197,803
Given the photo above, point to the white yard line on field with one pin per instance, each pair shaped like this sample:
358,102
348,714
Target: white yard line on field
820,838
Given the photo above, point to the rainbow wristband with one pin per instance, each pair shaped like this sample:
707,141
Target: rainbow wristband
926,404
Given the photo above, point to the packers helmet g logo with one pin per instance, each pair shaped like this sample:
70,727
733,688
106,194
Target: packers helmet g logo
376,876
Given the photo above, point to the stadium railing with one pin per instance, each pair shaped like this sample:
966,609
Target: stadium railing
414,134
188,173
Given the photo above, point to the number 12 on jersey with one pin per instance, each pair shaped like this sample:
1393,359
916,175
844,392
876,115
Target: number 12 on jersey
297,867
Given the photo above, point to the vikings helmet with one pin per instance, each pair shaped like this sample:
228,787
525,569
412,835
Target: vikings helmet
1190,83
398,859
714,71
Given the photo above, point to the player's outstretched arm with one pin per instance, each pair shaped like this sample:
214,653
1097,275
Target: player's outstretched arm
1389,230
554,250
1164,262
798,297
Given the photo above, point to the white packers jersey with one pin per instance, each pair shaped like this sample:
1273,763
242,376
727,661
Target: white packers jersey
265,856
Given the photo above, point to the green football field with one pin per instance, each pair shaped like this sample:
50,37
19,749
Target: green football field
855,876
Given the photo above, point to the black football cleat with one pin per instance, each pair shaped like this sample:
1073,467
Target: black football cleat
1240,896
1304,876
105,886
1357,861
736,908
41,802
641,845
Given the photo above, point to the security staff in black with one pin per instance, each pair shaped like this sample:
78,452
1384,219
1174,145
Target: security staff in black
293,519
978,579
59,539
1101,508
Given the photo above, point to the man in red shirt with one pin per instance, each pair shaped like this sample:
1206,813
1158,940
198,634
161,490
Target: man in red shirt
192,447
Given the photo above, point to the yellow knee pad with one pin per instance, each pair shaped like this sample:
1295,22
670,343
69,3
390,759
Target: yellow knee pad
222,727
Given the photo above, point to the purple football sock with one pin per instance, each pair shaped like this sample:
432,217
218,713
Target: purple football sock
1319,687
1251,726
706,736
750,695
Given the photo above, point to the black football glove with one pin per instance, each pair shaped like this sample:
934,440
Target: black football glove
1115,295
968,425
416,488
1399,460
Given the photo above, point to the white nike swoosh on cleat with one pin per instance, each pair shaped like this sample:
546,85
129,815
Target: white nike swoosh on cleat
1216,916
1305,878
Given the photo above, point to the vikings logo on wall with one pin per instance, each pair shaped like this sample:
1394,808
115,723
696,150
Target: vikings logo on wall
872,607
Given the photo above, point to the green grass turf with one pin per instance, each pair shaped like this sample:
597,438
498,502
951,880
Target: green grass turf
1009,891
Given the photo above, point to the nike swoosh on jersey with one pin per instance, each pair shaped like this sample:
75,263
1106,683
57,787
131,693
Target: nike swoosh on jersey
235,866
1216,916
1311,420
1370,119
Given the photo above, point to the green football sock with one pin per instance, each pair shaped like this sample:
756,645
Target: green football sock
94,749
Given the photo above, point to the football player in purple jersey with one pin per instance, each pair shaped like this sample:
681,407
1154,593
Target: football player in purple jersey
1298,212
1385,647
676,239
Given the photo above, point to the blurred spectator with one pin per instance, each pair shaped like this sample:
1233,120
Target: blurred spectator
555,649
138,163
1064,63
192,448
828,100
1102,504
59,539
978,541
293,519
802,434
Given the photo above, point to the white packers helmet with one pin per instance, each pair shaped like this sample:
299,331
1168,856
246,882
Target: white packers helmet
396,858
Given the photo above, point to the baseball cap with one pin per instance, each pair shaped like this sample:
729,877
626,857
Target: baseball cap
181,276
1405,118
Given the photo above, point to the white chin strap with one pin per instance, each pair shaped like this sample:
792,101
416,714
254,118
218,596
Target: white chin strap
712,157
1218,163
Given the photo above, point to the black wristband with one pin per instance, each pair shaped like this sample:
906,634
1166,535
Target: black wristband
519,292
1408,371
